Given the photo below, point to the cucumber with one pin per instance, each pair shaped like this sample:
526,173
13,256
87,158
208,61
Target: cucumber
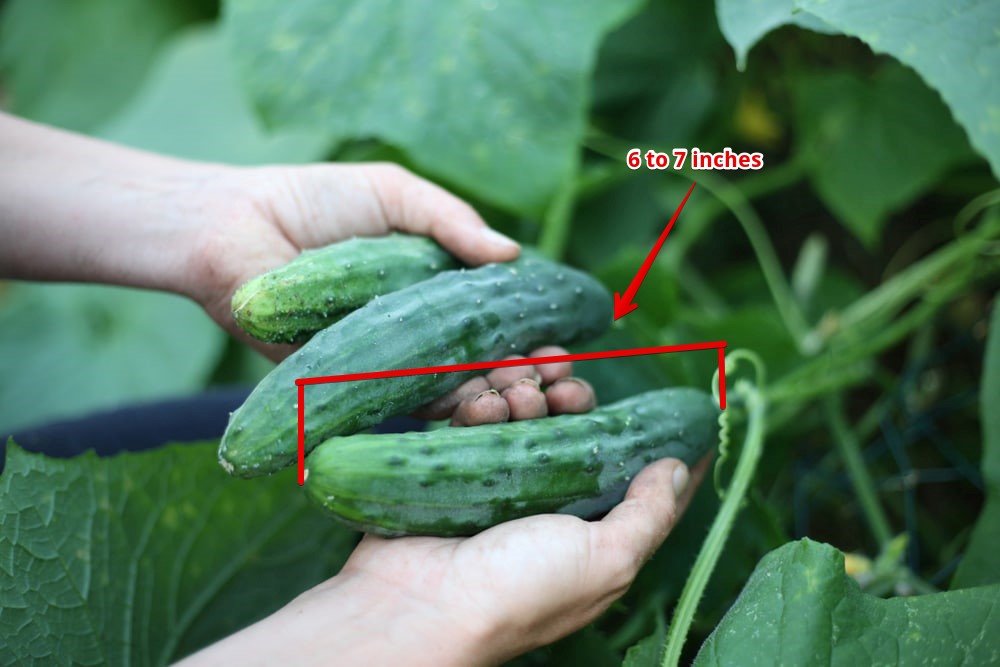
460,480
456,317
320,286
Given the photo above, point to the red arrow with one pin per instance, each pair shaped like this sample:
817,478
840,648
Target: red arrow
623,304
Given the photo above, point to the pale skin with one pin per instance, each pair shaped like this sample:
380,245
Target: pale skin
77,209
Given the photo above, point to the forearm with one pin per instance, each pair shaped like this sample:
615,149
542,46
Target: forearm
348,620
74,208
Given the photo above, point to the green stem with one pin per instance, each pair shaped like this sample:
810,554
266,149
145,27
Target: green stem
705,297
767,258
850,450
796,385
634,627
555,230
885,300
711,549
817,378
773,178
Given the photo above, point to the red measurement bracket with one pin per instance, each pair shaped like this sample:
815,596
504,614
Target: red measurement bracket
302,383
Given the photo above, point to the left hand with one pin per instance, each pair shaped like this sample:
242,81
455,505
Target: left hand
255,219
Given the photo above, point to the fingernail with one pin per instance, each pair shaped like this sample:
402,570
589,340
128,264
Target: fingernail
496,238
572,379
681,478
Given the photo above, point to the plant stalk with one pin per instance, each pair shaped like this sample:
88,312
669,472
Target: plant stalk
555,230
864,486
711,549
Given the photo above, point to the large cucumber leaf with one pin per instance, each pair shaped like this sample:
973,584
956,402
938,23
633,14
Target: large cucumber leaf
490,96
143,558
654,81
71,63
952,45
873,144
745,22
800,608
980,565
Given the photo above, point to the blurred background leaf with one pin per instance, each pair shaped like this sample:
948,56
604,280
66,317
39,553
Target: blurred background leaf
72,63
654,80
980,564
489,96
873,143
191,105
746,22
953,46
69,349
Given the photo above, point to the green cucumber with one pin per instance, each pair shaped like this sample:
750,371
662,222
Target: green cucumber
456,317
320,286
461,480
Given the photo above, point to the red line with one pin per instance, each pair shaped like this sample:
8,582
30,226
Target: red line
504,363
583,356
644,269
302,434
722,378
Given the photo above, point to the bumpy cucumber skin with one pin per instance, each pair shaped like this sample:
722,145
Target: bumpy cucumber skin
456,317
320,286
461,480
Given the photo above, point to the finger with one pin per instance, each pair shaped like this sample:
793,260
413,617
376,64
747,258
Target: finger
501,378
635,528
526,400
570,396
556,370
443,407
486,408
415,205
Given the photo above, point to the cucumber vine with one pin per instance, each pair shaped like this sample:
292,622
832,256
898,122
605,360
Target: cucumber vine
749,397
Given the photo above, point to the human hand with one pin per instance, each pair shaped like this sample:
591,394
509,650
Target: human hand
515,393
255,219
74,208
471,601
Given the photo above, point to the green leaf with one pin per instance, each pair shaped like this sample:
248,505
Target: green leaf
648,652
72,63
141,558
657,297
191,106
69,349
954,46
980,564
873,144
745,22
800,608
655,80
489,96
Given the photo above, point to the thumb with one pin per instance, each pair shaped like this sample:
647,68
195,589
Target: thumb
417,206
